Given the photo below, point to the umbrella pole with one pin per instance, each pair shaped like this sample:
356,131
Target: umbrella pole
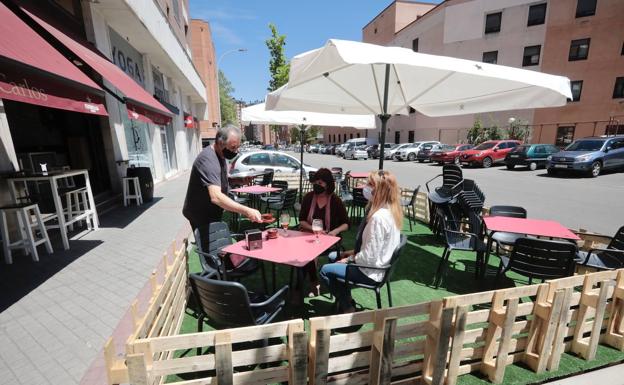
302,132
384,119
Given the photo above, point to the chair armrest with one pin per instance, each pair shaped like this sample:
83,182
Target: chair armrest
280,293
472,236
431,180
385,267
611,251
237,236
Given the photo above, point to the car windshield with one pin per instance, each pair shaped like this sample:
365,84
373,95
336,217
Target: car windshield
585,145
520,149
485,146
447,147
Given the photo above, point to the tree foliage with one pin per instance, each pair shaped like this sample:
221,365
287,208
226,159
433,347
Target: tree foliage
310,134
278,65
227,105
519,130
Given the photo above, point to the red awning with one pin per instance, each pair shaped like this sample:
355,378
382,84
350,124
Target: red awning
137,98
32,71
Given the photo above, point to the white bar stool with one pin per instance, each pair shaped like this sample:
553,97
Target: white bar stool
137,190
29,218
77,202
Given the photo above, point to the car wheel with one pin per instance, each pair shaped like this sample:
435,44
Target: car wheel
595,170
510,166
487,162
352,156
533,166
411,157
456,161
441,163
551,171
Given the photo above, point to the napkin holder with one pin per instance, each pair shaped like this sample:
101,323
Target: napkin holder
253,239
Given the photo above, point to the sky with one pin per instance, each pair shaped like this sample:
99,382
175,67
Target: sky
307,24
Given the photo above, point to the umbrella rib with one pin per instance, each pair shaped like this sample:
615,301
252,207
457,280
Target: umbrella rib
478,96
350,94
372,67
325,73
405,105
431,87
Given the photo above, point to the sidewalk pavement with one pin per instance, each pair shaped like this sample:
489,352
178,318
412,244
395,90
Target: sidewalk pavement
55,315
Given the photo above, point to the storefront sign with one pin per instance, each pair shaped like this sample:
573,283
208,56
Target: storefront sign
127,58
188,121
21,86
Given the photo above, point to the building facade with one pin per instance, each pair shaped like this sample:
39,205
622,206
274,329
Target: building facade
205,62
580,39
149,110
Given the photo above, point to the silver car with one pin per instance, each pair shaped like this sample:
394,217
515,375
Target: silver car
260,160
356,152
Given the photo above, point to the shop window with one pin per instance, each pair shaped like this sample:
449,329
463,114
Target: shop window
351,136
490,57
493,22
531,55
579,49
537,14
618,90
415,45
397,137
577,87
565,136
358,134
585,8
410,136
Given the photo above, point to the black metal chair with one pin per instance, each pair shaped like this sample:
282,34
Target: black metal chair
284,202
502,238
281,184
210,239
358,205
409,204
266,178
229,304
457,239
539,258
386,269
452,178
345,190
609,258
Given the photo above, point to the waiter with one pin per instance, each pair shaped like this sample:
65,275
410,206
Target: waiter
206,196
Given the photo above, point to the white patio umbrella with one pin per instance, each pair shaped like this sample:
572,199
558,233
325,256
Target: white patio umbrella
348,77
259,115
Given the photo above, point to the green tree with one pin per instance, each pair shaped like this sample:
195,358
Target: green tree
475,133
278,65
227,105
519,130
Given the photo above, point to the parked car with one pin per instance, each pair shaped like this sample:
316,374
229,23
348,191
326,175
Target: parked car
374,153
488,153
355,152
449,153
268,147
260,160
589,155
425,151
340,149
530,155
411,152
389,154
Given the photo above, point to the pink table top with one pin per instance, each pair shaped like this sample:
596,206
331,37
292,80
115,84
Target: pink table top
255,189
528,226
297,249
359,174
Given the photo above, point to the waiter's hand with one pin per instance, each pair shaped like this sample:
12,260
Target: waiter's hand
253,215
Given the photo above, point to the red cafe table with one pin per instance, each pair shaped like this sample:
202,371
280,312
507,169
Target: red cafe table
295,250
359,175
528,226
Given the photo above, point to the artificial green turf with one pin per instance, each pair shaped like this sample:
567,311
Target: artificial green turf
411,283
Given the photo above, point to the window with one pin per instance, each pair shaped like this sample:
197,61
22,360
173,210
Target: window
358,134
493,22
397,137
281,160
565,135
585,8
261,158
186,29
577,87
622,52
502,146
410,136
531,55
415,45
615,144
537,14
579,49
618,90
351,136
512,144
176,9
490,57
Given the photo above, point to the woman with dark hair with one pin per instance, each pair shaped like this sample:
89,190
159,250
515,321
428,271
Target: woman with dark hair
321,203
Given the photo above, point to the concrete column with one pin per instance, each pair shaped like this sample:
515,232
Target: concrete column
8,159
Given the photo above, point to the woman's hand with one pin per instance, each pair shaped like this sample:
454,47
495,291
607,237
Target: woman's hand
333,233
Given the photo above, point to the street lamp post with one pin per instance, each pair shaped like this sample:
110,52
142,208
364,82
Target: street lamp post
219,75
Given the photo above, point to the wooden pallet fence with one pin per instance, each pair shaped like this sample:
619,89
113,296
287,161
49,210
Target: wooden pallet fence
374,347
421,207
274,353
162,317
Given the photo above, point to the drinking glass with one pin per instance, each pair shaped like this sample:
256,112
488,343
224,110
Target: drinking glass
285,222
317,228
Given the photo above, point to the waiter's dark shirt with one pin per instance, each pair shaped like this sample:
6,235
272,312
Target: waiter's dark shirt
208,170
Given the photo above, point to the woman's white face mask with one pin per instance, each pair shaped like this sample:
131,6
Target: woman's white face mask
367,191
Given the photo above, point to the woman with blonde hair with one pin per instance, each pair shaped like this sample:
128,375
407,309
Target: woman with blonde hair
380,237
